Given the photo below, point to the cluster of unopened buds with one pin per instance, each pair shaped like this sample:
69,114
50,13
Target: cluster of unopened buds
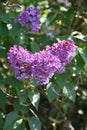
41,65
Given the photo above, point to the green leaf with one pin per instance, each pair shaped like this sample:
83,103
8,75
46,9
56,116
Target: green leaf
62,37
4,17
15,30
53,91
3,53
19,108
34,97
34,82
34,47
2,0
85,4
55,6
18,123
1,121
67,15
35,35
23,97
1,78
85,38
10,120
13,81
2,100
80,36
83,53
70,92
79,64
62,78
3,29
34,123
21,127
52,17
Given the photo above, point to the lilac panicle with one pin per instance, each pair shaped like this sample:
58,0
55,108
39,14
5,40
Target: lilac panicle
30,16
63,50
41,65
19,60
44,66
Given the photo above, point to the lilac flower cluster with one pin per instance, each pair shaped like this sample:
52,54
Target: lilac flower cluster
44,66
41,65
32,16
63,50
19,60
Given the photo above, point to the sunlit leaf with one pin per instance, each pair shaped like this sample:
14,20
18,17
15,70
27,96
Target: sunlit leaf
34,123
83,53
70,92
53,91
34,97
10,120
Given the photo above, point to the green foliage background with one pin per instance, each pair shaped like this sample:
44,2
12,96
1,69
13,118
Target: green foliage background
61,104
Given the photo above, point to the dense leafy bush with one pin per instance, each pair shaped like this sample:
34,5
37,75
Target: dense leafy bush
59,101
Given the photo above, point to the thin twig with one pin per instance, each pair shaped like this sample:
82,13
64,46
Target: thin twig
8,95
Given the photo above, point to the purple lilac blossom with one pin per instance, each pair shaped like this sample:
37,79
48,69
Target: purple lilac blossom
41,65
19,60
30,16
44,66
63,50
